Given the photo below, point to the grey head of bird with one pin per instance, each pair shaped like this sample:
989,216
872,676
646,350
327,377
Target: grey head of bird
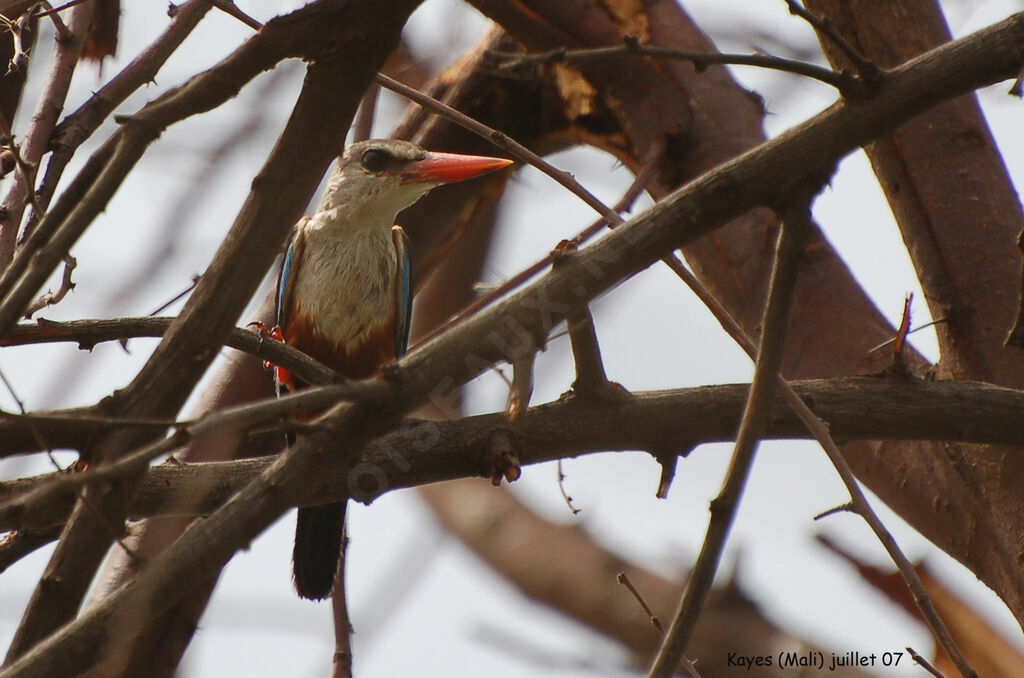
376,179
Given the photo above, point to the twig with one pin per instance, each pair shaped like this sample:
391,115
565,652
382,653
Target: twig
623,579
13,152
19,53
860,505
341,662
231,9
923,326
796,226
44,119
51,298
63,34
561,488
36,432
899,363
501,140
866,68
79,126
87,333
522,386
17,544
924,663
177,297
362,127
591,380
639,185
848,507
842,81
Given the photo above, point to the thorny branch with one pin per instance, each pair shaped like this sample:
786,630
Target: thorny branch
87,333
795,227
857,408
611,219
51,298
867,69
37,138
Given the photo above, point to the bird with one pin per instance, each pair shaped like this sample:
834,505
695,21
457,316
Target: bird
344,295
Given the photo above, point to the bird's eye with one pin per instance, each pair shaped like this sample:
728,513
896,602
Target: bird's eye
375,160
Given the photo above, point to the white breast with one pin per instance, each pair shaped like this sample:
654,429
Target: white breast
346,279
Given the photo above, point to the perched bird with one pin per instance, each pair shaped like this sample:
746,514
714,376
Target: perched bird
344,294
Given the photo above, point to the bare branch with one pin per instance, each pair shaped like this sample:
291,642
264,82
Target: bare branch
87,333
796,225
856,408
843,81
37,138
80,125
51,298
231,9
868,70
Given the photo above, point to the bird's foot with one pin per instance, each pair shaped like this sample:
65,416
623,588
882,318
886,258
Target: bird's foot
282,375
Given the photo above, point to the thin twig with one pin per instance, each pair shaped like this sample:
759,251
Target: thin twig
842,81
866,68
63,34
522,386
591,379
36,432
848,507
89,332
177,297
37,138
561,488
623,579
796,226
501,140
341,662
924,663
899,362
17,544
80,125
362,126
639,185
926,325
231,9
52,298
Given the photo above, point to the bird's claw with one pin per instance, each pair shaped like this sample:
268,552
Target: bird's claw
282,375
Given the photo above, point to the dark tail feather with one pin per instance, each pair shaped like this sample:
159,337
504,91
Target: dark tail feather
318,535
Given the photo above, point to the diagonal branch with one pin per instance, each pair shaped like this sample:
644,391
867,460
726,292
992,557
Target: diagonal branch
796,224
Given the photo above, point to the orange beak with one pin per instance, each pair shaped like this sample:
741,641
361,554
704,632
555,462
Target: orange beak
447,168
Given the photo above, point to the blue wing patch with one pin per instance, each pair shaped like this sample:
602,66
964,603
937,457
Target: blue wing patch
289,269
403,291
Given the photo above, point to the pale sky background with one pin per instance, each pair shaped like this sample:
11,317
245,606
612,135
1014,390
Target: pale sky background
458,617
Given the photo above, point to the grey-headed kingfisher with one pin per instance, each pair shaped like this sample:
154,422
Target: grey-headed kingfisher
344,294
